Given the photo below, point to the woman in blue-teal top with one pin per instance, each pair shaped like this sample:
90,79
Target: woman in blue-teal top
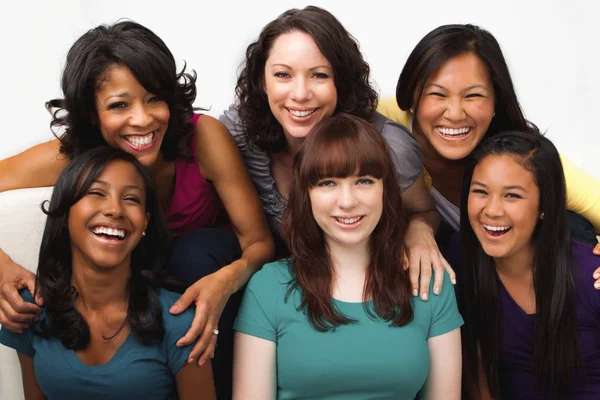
105,331
337,320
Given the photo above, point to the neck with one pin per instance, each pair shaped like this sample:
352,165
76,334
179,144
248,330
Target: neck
101,288
349,261
293,145
518,266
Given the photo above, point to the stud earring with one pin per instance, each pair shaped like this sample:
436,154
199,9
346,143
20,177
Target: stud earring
493,115
542,216
411,110
144,233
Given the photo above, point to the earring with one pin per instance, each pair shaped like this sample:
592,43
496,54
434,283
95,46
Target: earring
144,233
411,110
542,215
493,115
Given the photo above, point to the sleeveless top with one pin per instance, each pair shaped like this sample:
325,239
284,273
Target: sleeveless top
195,203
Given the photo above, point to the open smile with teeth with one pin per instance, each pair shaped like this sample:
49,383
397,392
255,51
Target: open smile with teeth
109,233
140,140
496,230
348,221
453,131
301,113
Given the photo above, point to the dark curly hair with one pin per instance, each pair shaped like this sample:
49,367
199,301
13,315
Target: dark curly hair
350,71
148,260
150,61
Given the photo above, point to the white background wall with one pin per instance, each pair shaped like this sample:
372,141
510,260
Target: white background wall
552,47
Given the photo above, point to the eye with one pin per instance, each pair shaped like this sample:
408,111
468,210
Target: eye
436,94
478,191
155,99
473,95
320,75
326,183
513,196
365,181
281,74
117,105
95,192
133,199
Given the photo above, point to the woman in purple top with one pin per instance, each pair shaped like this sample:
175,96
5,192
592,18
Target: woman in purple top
532,316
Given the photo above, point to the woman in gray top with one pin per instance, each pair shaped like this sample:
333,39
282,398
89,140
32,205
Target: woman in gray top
304,67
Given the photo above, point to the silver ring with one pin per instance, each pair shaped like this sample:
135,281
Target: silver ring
215,331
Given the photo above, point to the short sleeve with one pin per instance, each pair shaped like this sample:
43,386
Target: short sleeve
21,342
231,119
405,150
444,310
176,327
258,311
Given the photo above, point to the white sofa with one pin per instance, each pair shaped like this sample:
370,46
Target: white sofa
21,227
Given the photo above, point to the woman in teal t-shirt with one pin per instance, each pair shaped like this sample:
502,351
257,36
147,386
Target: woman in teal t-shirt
105,331
337,320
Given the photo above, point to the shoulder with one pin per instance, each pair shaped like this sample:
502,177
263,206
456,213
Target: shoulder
174,323
271,277
585,262
207,126
389,108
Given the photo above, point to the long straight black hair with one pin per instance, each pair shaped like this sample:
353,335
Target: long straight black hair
556,349
148,260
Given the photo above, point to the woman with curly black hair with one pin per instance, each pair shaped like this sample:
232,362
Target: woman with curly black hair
304,67
105,330
121,88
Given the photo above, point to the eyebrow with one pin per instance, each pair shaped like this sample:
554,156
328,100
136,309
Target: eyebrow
288,67
126,187
475,86
122,95
509,187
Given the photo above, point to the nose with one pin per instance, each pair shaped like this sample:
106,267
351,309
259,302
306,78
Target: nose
140,116
300,89
493,207
454,110
347,197
112,207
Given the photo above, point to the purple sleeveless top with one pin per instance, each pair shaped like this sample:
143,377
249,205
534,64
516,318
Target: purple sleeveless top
195,203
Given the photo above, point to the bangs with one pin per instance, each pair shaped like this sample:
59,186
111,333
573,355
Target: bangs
336,154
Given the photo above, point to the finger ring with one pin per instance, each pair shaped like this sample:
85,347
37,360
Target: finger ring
215,331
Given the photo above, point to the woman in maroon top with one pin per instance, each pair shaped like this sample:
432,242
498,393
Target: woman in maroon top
532,316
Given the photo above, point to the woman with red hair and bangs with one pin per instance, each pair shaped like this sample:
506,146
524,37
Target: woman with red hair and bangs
337,318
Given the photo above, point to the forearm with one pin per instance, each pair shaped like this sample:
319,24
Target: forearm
428,220
253,257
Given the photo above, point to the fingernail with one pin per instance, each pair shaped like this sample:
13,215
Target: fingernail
415,292
596,275
454,281
597,285
174,309
178,344
436,290
424,296
201,363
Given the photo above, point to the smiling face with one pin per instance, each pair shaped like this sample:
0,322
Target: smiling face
107,223
457,106
129,117
347,209
299,84
503,207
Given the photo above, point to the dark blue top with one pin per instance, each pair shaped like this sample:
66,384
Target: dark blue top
136,371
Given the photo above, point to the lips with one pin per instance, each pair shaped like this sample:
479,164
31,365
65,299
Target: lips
496,230
141,142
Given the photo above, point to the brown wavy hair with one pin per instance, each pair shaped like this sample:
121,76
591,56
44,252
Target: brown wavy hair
340,146
350,72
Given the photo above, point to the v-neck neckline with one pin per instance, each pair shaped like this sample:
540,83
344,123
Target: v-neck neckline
121,351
